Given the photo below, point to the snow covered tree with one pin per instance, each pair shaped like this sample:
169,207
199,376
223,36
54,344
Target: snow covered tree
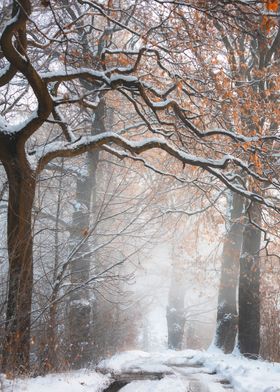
250,54
42,90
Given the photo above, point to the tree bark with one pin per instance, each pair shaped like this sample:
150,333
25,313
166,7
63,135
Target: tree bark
249,286
18,314
227,315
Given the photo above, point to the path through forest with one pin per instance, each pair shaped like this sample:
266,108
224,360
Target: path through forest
158,374
187,379
165,371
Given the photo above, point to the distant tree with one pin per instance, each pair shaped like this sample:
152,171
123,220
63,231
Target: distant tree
175,314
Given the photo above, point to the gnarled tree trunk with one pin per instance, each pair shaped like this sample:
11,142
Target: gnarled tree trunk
18,315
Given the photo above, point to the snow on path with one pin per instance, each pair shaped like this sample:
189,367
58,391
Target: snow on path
244,375
168,383
182,371
180,375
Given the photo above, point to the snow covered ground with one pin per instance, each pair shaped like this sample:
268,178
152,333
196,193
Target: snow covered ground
76,381
182,371
244,374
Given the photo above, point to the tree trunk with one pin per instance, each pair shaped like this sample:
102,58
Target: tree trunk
227,316
80,305
175,313
79,309
51,360
249,286
18,314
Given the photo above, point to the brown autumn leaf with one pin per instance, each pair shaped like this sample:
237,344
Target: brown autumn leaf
272,5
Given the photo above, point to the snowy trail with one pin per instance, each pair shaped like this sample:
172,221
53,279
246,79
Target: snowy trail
167,371
173,383
199,381
157,373
195,371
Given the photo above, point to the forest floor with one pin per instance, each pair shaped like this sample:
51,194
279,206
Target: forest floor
167,371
